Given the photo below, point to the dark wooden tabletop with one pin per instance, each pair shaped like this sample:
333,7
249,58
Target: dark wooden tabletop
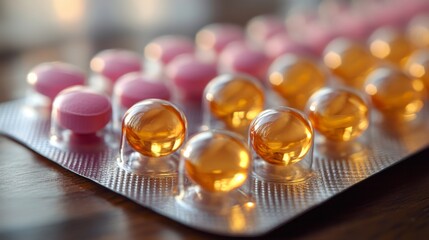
41,200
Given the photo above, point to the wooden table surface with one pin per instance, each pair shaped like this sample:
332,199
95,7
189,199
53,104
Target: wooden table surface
41,200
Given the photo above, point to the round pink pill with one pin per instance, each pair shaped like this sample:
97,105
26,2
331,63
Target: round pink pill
397,13
82,110
134,87
380,18
281,44
345,20
216,36
191,75
51,78
317,36
406,10
114,63
262,28
166,48
239,57
352,26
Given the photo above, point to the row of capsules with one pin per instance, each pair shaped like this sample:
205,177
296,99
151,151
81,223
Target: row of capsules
215,164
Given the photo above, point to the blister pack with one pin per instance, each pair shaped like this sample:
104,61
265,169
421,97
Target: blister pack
269,203
268,142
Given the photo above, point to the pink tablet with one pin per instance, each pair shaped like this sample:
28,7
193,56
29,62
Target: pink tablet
51,78
166,48
397,13
281,44
114,63
351,25
134,87
262,28
81,110
190,75
216,36
404,11
316,36
240,57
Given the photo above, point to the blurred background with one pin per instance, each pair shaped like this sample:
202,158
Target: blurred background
74,30
31,23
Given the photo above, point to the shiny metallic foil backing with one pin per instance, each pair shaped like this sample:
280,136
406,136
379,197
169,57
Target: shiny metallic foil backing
335,169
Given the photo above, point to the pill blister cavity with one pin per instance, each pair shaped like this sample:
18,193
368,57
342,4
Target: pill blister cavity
109,65
418,31
133,88
240,57
218,165
350,61
213,38
295,78
232,101
391,45
394,94
152,131
339,114
282,139
80,116
417,66
46,81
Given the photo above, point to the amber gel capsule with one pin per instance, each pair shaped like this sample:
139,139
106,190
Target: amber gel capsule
281,136
417,66
154,128
235,100
394,94
217,161
391,45
418,31
350,61
338,114
296,78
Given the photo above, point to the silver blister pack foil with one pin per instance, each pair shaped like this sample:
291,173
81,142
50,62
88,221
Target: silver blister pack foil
275,203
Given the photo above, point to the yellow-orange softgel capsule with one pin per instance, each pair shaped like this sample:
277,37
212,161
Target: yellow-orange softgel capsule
235,100
296,78
394,94
338,114
154,128
418,66
217,161
350,61
418,31
281,136
391,45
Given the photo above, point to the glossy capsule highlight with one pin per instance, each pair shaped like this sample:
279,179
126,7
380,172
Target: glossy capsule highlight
350,61
235,100
390,45
394,94
417,66
418,31
338,114
216,161
281,136
154,128
295,78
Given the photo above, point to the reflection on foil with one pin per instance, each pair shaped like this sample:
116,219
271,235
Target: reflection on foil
356,150
412,134
239,219
336,166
